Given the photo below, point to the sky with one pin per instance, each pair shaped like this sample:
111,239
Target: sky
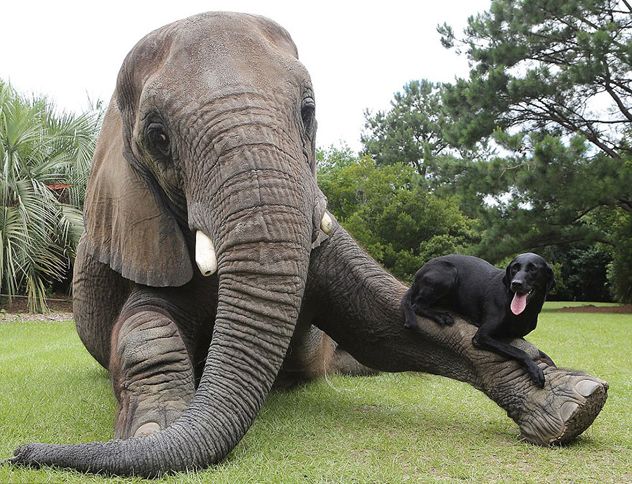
359,53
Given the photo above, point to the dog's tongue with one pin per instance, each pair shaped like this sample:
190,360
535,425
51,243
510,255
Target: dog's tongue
518,303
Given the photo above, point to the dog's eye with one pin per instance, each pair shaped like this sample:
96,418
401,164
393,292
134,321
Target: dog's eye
530,267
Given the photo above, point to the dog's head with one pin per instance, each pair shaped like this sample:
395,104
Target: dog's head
527,275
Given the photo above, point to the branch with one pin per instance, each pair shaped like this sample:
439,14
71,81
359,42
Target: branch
581,119
591,24
625,204
543,242
441,144
604,121
615,97
583,213
618,102
621,85
589,132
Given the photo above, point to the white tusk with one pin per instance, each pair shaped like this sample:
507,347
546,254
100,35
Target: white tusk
205,254
326,224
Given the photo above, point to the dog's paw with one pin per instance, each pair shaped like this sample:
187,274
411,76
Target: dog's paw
444,319
536,374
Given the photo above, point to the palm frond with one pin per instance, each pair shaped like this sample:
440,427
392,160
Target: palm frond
45,159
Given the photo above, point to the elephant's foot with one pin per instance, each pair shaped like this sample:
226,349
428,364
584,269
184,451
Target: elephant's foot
151,373
343,363
313,354
566,406
147,429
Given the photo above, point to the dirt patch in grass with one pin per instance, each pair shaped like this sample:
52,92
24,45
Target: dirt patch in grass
60,306
623,309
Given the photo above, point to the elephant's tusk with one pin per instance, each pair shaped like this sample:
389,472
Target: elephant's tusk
326,224
205,254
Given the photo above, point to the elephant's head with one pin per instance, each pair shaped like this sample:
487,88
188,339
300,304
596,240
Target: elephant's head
208,140
206,162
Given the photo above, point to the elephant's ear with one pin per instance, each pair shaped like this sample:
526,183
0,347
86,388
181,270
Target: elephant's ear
126,225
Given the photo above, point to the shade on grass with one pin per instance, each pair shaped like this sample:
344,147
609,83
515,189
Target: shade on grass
389,428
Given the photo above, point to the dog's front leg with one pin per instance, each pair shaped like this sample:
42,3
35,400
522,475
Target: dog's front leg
484,340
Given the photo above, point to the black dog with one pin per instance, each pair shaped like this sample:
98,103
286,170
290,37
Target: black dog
503,304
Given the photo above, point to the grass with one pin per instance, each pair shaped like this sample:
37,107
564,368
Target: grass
389,428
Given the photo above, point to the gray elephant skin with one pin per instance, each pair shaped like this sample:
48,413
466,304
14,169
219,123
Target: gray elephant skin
210,268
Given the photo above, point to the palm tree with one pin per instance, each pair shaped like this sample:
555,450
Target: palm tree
44,161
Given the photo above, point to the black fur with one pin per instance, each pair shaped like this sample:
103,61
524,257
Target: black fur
483,293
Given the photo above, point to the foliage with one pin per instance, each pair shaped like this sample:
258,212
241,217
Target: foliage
551,84
546,193
45,160
620,270
534,143
339,429
551,193
335,157
391,214
553,66
580,272
409,132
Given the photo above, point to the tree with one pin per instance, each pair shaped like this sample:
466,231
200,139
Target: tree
543,197
617,225
410,131
391,214
581,272
551,83
45,160
546,65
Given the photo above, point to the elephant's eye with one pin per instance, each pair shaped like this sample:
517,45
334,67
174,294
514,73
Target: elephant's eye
307,114
158,140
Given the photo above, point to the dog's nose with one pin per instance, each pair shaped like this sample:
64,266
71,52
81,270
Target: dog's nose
517,285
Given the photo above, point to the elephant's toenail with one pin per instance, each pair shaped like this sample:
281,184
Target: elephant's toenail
146,429
586,387
567,410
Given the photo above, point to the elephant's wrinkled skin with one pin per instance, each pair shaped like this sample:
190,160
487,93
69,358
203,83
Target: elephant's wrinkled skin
211,130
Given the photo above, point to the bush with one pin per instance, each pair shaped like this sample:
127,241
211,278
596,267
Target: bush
45,160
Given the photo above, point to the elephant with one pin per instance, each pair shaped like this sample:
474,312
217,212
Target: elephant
210,267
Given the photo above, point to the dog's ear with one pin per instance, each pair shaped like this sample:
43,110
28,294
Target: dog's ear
507,277
550,278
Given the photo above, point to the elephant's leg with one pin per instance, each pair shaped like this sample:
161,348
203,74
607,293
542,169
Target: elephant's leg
313,354
99,293
358,304
343,363
151,373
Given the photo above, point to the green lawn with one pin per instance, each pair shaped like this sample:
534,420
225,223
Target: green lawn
389,428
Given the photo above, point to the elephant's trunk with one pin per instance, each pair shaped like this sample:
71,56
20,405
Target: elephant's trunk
263,251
